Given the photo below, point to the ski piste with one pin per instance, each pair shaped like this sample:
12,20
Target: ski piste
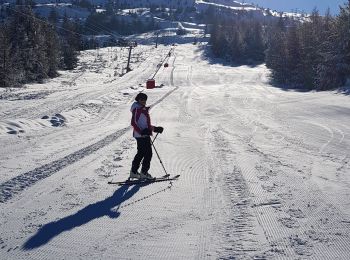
167,177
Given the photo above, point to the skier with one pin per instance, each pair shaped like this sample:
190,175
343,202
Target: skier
141,123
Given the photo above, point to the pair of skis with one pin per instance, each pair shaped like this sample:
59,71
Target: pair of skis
166,177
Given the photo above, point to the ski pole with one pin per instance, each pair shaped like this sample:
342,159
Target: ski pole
158,154
154,138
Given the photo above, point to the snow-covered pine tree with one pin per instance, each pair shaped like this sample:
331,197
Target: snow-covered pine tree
276,52
70,43
235,43
314,54
52,49
342,40
27,41
217,39
328,75
310,42
254,45
293,56
328,71
5,60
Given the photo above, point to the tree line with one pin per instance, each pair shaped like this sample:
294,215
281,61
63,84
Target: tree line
33,49
311,54
239,41
110,22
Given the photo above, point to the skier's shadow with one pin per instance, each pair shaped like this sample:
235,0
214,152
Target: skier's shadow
83,216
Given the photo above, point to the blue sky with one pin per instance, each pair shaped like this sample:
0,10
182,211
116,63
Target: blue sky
306,5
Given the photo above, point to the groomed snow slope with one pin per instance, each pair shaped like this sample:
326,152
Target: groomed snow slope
264,171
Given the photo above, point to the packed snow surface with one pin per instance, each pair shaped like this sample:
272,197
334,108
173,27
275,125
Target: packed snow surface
264,171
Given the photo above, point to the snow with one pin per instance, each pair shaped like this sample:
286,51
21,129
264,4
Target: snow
231,3
62,9
264,171
99,10
254,10
239,7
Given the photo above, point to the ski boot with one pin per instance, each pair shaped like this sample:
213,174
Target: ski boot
146,176
134,175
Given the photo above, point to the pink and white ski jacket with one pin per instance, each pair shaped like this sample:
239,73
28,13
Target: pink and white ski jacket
140,119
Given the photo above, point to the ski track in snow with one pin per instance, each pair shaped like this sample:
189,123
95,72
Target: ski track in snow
263,176
17,184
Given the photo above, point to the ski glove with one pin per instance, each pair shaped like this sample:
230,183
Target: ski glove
158,129
146,131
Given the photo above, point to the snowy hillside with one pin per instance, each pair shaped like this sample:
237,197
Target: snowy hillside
264,171
224,8
160,3
229,3
231,8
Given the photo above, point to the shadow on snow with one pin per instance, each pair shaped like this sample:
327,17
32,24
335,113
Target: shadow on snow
207,54
82,217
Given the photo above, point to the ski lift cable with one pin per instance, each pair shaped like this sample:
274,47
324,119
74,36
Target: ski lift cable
101,29
44,21
57,26
41,20
98,26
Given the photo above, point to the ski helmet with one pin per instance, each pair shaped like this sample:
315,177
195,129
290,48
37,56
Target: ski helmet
141,96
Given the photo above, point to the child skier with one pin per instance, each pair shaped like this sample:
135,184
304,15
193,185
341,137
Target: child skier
141,123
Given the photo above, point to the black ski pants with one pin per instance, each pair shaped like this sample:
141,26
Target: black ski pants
144,154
